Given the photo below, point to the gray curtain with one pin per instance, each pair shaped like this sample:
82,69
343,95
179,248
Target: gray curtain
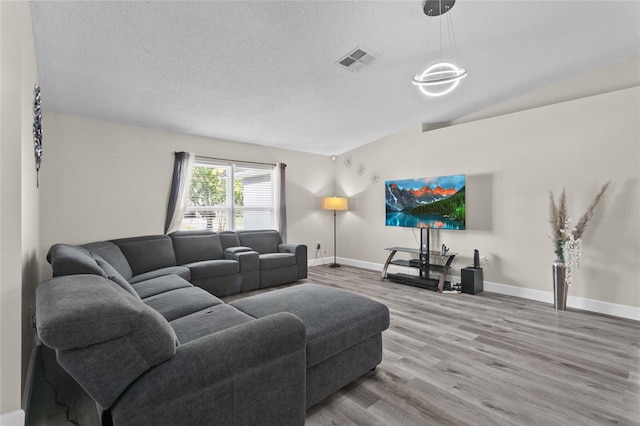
282,220
180,187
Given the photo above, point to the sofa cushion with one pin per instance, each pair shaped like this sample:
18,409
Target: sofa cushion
262,241
113,255
207,321
66,259
222,285
277,276
213,268
335,319
180,302
228,239
277,260
103,336
181,271
77,311
194,246
159,285
111,273
147,253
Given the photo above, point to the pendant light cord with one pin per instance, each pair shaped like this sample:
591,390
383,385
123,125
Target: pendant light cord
452,36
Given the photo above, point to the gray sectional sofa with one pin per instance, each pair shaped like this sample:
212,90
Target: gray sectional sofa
150,347
220,263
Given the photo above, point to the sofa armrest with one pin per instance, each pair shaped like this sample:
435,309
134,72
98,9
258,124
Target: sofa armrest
229,252
252,373
297,249
300,250
249,261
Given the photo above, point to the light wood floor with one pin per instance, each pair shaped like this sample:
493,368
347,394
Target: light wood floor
488,359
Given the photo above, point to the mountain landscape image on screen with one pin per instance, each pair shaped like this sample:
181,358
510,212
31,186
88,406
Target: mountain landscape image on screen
436,202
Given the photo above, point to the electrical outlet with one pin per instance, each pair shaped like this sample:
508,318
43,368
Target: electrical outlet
318,245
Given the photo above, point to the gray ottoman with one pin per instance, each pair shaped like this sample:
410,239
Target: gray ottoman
344,332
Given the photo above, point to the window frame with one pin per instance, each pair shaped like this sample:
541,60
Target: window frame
230,208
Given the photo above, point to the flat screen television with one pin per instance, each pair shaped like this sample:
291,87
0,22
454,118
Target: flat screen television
431,202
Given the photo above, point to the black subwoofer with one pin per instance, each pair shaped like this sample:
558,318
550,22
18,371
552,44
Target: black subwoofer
471,280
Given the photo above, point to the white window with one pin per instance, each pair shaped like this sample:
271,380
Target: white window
230,196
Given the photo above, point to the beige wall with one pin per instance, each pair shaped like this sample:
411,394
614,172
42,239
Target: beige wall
18,200
105,181
511,163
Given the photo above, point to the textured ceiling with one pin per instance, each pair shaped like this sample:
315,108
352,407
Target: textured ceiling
265,72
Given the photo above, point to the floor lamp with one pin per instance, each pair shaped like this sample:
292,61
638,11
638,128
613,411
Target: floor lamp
335,204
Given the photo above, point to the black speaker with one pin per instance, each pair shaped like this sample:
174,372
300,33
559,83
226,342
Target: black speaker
476,259
472,280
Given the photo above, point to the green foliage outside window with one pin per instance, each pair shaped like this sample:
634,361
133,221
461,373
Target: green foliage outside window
212,205
209,188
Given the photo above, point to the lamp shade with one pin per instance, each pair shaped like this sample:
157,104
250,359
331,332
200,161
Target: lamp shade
335,203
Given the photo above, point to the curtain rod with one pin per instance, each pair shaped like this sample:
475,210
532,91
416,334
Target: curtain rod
236,161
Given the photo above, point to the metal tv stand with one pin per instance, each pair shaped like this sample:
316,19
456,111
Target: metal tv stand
422,263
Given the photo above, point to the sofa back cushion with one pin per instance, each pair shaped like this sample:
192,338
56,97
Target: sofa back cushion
147,253
112,254
113,275
228,239
66,259
104,337
195,246
262,241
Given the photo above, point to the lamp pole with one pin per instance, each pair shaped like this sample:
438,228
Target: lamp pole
334,264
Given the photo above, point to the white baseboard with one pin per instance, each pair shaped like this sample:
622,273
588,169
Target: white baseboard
320,261
614,309
585,304
367,265
14,418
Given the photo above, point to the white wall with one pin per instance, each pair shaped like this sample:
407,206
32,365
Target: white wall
18,201
512,162
104,181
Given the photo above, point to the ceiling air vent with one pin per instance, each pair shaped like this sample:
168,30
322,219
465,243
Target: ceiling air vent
356,59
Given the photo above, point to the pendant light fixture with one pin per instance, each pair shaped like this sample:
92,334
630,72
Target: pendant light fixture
440,78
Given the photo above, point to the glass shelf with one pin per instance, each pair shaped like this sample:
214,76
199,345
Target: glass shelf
424,265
